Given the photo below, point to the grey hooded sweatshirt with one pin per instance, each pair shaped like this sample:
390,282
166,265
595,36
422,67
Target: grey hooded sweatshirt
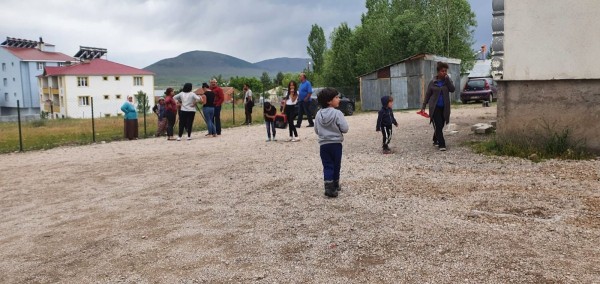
329,126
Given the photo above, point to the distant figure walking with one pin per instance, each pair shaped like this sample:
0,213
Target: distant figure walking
131,119
188,110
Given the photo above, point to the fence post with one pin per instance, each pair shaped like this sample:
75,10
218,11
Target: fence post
93,122
19,119
145,134
233,106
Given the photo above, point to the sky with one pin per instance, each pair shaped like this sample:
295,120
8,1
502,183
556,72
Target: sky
141,32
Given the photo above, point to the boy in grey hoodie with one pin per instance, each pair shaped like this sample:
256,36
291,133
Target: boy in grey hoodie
330,125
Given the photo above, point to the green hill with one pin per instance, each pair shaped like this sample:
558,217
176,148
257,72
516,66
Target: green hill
199,66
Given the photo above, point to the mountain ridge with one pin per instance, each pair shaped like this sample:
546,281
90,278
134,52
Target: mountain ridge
199,66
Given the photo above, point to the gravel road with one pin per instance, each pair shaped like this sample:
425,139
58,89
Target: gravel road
237,209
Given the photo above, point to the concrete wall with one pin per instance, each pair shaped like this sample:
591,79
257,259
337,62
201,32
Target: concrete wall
551,39
526,108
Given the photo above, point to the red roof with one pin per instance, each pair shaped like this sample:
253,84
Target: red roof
34,54
95,67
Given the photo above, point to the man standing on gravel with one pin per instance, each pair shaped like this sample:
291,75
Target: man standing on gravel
305,92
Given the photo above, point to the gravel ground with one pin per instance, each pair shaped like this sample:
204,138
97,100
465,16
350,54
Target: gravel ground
236,209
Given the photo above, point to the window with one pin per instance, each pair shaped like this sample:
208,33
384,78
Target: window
61,64
14,80
117,78
138,81
107,115
118,97
106,97
5,82
84,101
105,78
41,65
3,66
6,97
82,81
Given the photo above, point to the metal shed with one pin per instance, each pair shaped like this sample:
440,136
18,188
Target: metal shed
405,81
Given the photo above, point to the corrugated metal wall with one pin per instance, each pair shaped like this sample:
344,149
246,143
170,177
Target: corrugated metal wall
407,84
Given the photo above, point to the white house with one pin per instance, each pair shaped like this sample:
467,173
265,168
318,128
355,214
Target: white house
70,90
21,62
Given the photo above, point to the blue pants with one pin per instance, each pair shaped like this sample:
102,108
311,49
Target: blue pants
270,128
438,125
218,119
209,115
303,108
331,157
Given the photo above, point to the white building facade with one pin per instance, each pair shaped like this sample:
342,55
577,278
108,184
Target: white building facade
71,90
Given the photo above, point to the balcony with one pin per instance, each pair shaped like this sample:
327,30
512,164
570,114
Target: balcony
55,108
50,91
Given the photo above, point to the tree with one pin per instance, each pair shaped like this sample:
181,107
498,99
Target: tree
340,59
316,47
278,79
266,81
142,100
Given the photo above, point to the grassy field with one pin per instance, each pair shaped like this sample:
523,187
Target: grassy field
46,134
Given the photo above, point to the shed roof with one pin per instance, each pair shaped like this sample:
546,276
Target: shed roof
95,67
426,56
34,54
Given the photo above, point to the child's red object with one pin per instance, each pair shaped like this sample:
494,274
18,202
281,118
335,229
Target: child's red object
423,113
280,121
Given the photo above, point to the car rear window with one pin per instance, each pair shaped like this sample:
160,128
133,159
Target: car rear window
476,84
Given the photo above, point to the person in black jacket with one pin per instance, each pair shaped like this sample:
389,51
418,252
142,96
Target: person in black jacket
385,119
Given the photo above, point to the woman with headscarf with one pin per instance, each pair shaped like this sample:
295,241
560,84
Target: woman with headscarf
131,119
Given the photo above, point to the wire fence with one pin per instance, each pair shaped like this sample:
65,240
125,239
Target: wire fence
50,131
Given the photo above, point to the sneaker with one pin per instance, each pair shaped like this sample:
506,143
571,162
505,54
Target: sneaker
290,139
189,138
178,138
436,144
295,139
274,139
442,149
387,151
268,140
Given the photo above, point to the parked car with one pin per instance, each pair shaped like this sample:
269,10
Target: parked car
479,89
347,105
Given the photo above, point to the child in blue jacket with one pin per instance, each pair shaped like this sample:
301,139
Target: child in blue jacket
385,119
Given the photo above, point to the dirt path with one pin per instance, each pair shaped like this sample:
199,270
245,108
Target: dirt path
238,209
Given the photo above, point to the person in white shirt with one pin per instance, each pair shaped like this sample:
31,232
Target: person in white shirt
289,108
188,109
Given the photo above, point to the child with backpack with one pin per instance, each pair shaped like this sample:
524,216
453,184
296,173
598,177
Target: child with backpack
269,112
330,126
385,119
